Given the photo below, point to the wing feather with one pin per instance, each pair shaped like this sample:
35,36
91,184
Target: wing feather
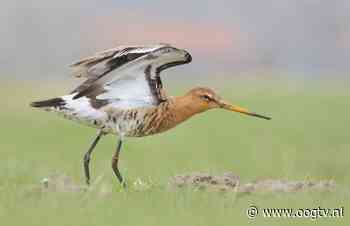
127,77
110,59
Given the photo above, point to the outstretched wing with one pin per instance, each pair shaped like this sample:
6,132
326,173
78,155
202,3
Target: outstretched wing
127,77
107,60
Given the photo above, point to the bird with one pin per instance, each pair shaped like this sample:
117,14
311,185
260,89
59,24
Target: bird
122,94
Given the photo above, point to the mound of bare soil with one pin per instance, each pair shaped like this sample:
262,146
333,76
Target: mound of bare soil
231,182
199,181
62,183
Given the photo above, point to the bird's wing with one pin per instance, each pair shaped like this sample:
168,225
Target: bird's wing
96,66
128,77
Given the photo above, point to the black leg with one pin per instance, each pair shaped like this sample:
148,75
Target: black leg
115,160
87,157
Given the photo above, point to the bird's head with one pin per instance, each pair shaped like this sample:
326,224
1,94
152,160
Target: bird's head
202,99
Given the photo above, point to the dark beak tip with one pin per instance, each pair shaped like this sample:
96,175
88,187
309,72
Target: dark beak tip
261,116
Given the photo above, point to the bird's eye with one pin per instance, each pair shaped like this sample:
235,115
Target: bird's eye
206,98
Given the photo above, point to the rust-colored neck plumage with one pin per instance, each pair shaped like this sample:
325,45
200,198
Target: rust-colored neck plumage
184,107
174,111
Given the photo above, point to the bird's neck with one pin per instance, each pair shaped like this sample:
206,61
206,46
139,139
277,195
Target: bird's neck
169,114
172,112
183,108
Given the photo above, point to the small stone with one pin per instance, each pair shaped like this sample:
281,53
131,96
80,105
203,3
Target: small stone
45,183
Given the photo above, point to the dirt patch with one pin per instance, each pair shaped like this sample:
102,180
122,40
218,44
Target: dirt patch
231,182
60,183
205,181
225,182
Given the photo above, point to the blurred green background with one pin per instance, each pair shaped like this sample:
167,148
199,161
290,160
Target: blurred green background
307,139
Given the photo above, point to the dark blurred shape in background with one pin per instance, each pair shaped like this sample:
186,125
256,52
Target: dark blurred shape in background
306,37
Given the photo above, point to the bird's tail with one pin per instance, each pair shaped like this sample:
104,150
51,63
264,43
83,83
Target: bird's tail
54,102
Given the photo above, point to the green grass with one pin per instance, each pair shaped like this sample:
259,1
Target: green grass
308,138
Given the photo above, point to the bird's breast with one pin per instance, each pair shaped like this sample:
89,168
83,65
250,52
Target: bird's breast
145,121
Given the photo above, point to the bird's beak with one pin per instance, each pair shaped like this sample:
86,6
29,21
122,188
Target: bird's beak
230,107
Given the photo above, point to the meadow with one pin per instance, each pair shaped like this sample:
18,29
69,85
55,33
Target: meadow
307,139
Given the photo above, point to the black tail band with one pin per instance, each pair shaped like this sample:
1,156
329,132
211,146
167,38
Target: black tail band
54,102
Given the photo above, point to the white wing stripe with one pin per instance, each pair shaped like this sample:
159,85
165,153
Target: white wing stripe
131,82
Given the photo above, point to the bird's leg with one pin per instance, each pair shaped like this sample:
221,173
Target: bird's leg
87,157
115,159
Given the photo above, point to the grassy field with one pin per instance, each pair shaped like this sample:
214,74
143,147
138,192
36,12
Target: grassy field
308,138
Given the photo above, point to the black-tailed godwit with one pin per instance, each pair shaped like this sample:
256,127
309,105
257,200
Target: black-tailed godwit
123,95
